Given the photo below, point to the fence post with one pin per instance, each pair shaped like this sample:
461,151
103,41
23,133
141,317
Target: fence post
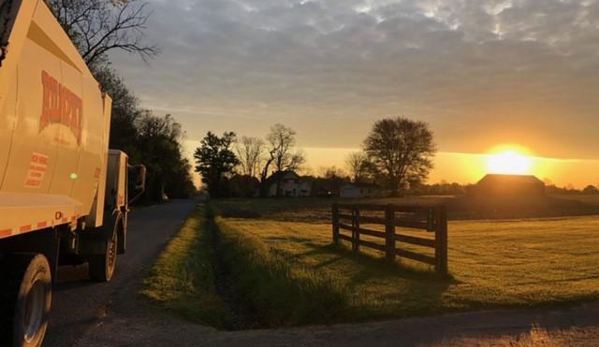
335,215
357,230
441,241
390,233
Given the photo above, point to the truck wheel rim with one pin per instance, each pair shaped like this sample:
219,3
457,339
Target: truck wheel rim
34,310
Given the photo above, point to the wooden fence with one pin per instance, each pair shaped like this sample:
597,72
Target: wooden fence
431,219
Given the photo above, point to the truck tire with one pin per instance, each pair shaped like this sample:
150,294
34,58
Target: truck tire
27,300
102,266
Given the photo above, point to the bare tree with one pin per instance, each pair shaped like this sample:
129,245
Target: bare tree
330,172
281,154
357,164
401,150
99,26
250,151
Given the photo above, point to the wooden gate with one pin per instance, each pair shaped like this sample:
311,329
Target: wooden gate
357,219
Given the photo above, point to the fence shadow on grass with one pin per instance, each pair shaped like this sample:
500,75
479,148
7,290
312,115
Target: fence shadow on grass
405,289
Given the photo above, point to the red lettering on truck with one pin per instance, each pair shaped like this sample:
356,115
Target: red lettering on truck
61,106
37,170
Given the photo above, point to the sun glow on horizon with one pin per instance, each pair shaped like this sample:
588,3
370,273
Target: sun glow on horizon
509,161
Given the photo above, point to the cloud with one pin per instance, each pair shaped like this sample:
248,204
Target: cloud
479,71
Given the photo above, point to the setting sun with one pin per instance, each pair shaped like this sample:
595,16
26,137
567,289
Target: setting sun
510,163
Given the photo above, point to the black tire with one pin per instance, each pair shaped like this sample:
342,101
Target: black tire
27,300
102,266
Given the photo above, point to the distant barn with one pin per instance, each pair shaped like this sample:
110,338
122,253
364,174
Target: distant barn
509,185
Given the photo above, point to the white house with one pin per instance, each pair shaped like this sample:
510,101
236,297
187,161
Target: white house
360,190
289,183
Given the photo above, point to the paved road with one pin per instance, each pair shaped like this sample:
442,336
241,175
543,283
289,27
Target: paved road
79,303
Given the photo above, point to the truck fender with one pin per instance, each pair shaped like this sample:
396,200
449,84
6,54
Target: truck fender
93,241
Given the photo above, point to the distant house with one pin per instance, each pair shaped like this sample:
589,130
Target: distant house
360,190
509,185
289,184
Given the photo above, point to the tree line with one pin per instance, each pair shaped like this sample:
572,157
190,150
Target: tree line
252,159
98,27
397,153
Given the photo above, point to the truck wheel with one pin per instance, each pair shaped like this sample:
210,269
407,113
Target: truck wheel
101,266
27,300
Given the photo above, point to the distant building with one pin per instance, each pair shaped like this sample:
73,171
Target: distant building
360,190
289,183
509,185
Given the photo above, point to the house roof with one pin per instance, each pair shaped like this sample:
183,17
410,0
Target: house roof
275,177
496,179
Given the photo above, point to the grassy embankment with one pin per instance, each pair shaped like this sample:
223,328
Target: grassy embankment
282,266
182,279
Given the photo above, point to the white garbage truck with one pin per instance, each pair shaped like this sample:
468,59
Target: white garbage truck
63,193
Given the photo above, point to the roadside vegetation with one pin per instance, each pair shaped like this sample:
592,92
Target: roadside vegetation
182,279
271,272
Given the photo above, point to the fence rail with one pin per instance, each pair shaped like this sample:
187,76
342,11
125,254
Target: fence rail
431,219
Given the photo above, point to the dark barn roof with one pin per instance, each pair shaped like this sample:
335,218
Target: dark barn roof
510,185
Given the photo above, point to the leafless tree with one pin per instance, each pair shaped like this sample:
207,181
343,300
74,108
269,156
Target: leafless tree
282,155
250,151
99,26
329,172
401,150
357,164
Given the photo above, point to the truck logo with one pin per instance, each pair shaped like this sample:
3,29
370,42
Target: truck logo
61,106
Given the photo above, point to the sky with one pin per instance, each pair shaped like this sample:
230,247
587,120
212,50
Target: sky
480,72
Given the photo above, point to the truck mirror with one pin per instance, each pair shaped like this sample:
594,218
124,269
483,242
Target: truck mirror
140,182
138,178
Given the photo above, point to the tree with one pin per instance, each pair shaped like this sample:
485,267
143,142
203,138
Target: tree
215,160
590,190
159,149
401,150
99,26
250,151
359,167
125,111
281,154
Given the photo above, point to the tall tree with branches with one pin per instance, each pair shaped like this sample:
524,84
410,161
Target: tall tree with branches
215,160
358,165
250,152
100,26
282,155
401,150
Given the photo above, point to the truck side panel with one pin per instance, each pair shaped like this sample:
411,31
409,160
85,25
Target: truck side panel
54,136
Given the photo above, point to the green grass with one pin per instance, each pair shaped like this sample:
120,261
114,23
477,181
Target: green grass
276,290
493,264
285,271
182,279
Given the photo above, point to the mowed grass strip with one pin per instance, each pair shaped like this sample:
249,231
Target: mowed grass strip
182,279
493,264
278,291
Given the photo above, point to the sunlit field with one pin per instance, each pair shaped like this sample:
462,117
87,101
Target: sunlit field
283,270
522,263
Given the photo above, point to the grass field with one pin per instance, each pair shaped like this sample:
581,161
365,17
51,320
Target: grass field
517,263
318,210
283,270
